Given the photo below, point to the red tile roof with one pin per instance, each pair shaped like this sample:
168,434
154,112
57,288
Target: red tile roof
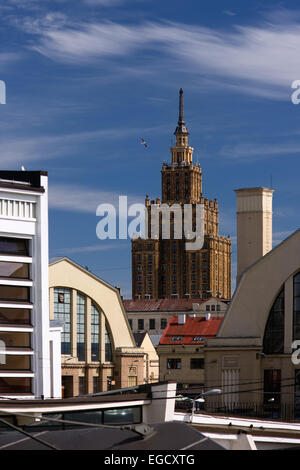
194,331
161,305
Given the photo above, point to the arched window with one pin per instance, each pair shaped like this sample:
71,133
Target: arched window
296,325
274,332
95,314
108,347
80,327
62,312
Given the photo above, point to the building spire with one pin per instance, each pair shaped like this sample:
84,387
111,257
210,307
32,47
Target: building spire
181,128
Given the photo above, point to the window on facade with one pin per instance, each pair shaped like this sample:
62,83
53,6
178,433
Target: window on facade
108,346
150,277
218,308
296,295
163,323
15,293
149,257
81,386
130,323
297,394
152,324
173,363
213,308
140,324
62,312
14,270
15,339
15,316
15,362
95,320
14,246
274,331
95,384
139,257
207,308
272,386
176,338
15,385
197,363
80,327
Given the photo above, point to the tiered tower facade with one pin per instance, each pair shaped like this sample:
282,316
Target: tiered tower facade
163,268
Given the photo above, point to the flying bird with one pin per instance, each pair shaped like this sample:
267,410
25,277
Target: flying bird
143,142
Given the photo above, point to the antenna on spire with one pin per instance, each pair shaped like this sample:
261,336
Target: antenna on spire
181,128
181,112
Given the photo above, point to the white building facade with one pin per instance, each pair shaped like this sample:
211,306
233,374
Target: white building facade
30,365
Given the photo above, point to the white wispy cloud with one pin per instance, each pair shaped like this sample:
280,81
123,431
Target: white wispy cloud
260,58
17,151
77,198
89,248
247,151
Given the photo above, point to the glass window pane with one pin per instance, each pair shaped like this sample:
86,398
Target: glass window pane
15,385
14,246
14,270
15,315
14,362
274,331
15,293
12,339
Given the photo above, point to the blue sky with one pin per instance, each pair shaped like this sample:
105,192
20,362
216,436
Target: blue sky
87,78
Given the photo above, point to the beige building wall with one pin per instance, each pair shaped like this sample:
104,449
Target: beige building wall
254,226
235,360
127,364
185,375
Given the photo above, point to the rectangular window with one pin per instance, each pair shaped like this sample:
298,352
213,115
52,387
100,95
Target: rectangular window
18,316
95,384
15,385
15,362
197,363
81,386
14,270
140,324
173,363
14,339
14,246
15,293
152,324
207,308
213,308
272,386
163,323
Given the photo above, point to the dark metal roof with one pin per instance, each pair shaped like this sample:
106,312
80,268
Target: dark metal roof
166,436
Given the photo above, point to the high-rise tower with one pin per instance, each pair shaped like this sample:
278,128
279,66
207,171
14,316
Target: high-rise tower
163,268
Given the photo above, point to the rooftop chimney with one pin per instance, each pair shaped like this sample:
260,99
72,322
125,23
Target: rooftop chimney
254,226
